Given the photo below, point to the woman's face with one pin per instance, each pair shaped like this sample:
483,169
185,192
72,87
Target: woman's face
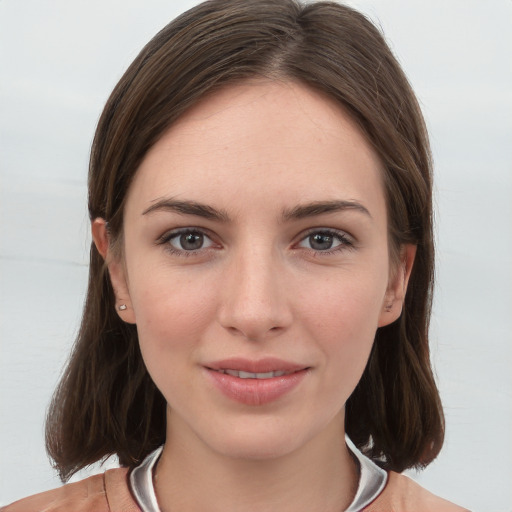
256,268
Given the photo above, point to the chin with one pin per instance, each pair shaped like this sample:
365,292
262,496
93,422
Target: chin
256,447
261,439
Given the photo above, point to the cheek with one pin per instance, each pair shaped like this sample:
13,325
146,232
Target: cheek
343,318
171,312
346,304
171,321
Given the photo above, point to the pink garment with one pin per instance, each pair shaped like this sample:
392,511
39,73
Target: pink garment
109,492
402,494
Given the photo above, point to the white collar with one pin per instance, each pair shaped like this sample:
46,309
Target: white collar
372,480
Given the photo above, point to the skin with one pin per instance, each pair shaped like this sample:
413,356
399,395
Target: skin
260,285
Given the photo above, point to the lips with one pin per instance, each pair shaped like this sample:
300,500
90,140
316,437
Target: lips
255,382
250,375
266,365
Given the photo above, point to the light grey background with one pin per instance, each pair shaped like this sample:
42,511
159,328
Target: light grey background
58,62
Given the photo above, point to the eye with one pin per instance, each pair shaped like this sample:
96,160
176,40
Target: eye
187,240
325,240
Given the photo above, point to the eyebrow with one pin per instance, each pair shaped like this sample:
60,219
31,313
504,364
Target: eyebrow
296,213
321,207
188,208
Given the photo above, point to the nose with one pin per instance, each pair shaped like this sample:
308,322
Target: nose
255,303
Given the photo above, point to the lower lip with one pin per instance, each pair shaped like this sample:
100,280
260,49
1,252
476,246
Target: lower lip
256,391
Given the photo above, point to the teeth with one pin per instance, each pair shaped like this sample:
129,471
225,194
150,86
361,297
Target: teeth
249,375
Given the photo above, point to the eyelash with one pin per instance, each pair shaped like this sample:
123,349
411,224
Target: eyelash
166,238
345,241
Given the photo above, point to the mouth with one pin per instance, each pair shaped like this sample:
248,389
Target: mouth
265,368
250,375
255,382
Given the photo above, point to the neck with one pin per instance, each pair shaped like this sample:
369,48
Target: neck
320,476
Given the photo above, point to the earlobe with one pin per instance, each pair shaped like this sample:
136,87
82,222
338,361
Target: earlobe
397,288
116,270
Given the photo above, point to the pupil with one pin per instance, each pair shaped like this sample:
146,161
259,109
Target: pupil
191,241
320,242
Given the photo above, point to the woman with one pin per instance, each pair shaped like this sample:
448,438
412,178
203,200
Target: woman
261,273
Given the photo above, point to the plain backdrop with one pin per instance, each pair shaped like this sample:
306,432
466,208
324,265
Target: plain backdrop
58,62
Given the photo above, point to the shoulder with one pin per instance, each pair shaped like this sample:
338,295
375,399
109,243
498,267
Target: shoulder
107,492
402,494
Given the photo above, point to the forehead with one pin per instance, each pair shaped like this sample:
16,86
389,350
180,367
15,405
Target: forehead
257,138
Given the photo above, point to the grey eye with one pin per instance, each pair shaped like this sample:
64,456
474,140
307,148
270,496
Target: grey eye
323,241
190,241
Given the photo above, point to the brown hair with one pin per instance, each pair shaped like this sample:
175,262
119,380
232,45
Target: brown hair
106,402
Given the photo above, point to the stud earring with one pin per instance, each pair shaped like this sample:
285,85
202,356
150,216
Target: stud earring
122,307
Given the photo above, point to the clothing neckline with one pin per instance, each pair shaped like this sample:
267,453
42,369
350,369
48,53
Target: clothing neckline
372,480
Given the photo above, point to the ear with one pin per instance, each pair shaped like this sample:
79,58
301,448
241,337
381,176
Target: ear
116,270
397,286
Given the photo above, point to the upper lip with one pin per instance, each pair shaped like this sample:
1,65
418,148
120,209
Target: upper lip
268,364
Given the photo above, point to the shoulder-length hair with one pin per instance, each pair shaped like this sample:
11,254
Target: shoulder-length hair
106,402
